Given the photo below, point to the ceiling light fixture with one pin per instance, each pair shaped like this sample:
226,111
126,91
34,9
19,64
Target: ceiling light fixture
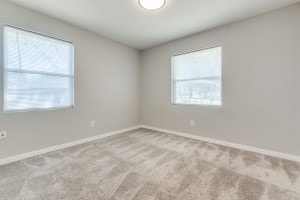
152,4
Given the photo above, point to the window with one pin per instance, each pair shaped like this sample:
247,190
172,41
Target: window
196,78
38,71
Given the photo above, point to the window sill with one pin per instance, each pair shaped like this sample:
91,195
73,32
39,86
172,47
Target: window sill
197,105
38,109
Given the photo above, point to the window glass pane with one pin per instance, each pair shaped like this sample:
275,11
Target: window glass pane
29,51
200,64
38,71
34,91
197,77
204,92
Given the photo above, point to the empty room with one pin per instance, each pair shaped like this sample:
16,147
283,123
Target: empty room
149,100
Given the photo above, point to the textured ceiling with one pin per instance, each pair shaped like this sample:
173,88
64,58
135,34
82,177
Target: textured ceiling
125,21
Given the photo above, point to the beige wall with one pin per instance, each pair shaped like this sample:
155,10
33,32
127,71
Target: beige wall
261,84
106,88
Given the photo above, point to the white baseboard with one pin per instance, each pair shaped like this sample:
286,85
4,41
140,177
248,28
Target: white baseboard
228,144
62,146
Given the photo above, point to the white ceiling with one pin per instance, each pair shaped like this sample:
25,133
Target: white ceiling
126,22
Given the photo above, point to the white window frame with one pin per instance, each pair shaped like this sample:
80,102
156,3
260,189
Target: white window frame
174,80
6,71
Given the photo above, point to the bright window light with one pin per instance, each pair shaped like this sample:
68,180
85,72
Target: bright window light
38,71
197,78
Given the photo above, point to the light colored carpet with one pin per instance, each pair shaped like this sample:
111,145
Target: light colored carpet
144,164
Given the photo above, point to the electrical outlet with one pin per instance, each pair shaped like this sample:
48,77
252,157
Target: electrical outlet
3,135
93,123
192,123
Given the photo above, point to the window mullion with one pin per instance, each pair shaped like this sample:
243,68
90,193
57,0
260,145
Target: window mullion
198,79
38,72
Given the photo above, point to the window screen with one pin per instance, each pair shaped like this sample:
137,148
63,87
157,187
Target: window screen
196,77
38,71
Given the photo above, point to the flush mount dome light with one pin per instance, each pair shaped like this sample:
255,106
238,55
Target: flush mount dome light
152,4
